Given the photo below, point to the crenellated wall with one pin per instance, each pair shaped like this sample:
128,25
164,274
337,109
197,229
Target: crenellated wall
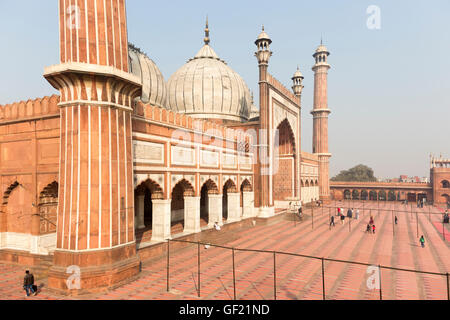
31,109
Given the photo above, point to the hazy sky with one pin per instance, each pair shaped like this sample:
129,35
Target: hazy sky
389,89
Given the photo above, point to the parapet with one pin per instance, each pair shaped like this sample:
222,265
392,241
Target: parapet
282,89
25,110
182,121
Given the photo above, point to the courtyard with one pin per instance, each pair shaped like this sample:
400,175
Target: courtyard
291,259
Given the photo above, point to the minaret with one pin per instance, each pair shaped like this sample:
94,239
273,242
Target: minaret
297,88
95,246
264,166
320,114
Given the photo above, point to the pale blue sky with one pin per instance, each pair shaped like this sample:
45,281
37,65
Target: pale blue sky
388,88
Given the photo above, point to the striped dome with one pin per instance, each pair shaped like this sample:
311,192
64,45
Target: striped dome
154,88
206,87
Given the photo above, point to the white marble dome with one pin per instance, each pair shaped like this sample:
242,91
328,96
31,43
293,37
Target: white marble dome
154,88
206,87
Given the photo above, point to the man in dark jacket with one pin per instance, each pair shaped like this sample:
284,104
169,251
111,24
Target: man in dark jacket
28,282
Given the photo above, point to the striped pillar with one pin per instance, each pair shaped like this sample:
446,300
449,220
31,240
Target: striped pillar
95,228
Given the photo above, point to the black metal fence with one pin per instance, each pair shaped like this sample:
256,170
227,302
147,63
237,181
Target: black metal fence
320,269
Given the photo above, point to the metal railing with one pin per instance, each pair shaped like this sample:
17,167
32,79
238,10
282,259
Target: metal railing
275,254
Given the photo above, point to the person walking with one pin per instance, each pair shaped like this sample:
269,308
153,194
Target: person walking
332,221
28,283
422,241
342,218
371,220
349,213
368,228
396,220
357,214
373,229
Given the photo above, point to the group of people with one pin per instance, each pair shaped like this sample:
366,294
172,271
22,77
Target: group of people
340,213
371,225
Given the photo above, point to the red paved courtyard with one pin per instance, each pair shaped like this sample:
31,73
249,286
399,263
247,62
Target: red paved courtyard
296,277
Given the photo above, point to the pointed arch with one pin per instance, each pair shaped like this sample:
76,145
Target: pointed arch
209,187
8,191
285,162
48,205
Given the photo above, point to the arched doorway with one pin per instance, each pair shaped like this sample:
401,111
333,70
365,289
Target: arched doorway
382,195
144,196
48,206
364,195
182,190
285,168
208,188
391,195
373,196
412,197
145,193
228,188
445,184
355,195
347,194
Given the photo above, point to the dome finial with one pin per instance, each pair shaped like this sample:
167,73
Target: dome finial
207,40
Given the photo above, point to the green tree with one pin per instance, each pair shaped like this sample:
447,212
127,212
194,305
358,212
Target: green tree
360,173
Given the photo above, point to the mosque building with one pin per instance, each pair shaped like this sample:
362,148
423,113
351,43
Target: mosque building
122,159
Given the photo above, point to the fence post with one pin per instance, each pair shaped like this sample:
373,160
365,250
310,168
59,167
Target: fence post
312,214
393,223
275,275
198,258
417,223
448,288
323,279
379,279
234,276
168,263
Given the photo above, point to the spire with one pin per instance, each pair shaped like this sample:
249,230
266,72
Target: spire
207,40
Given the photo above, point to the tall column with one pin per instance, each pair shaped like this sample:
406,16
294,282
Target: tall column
297,88
192,215
320,114
161,220
95,230
265,154
215,209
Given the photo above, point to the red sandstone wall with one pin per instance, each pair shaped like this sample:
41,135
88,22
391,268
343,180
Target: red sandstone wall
29,158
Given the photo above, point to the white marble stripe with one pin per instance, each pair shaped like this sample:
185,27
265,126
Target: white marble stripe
87,31
106,33
78,177
113,34
71,187
120,35
110,179
126,173
96,32
118,175
65,180
89,181
100,177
